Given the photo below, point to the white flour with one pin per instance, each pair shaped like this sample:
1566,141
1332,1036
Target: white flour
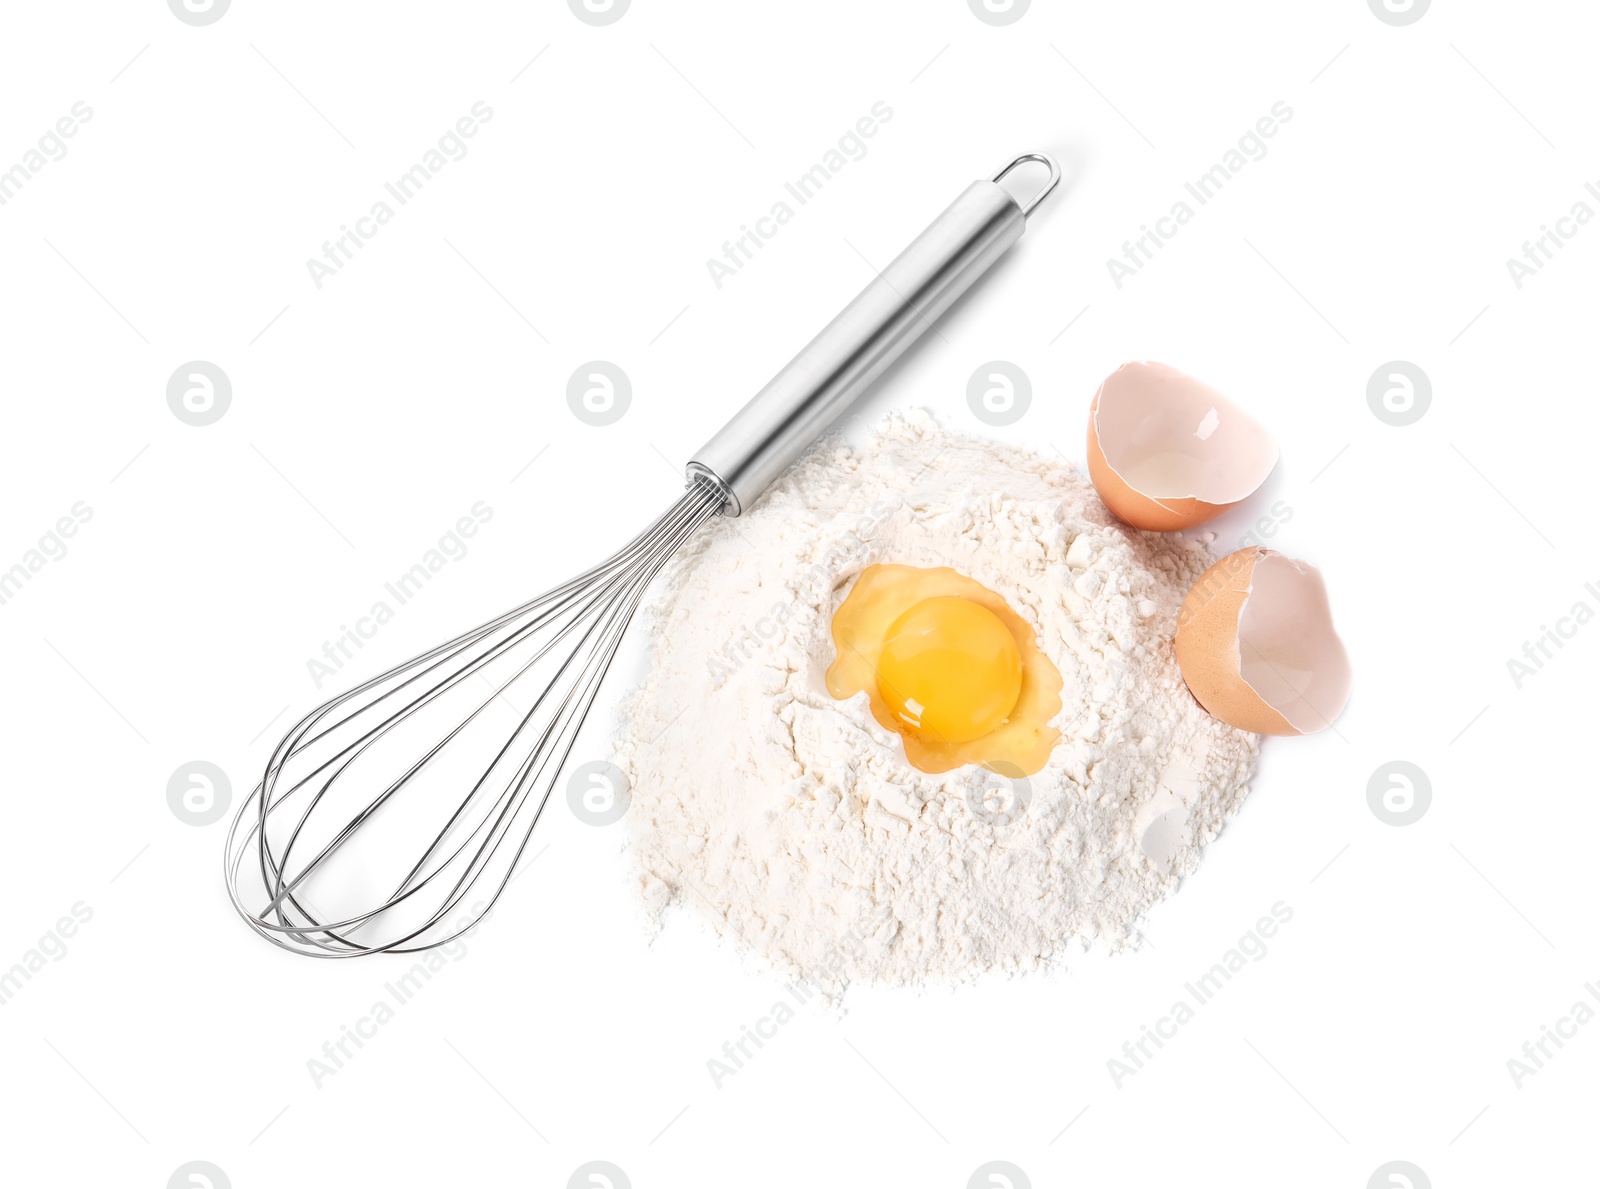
792,821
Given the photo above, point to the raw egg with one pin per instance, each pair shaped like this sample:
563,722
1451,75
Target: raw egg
1167,452
946,663
1257,648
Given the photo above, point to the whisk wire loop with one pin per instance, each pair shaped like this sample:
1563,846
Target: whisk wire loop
316,796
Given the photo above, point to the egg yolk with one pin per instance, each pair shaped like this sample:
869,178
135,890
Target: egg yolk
949,670
949,666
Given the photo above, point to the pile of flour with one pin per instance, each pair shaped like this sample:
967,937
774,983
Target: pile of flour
793,822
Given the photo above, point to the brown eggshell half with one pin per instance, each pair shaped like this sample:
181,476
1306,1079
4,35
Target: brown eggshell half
1145,412
1257,648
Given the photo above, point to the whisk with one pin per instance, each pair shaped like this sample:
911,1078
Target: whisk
393,817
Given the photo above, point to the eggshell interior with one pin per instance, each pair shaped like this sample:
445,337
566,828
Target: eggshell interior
1288,651
1168,452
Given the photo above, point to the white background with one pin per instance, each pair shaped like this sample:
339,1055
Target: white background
369,414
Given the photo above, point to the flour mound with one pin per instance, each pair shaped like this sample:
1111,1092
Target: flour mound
792,821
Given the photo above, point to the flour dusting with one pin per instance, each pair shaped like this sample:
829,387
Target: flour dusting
793,822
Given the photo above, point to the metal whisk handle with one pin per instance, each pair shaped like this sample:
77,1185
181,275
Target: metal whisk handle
778,424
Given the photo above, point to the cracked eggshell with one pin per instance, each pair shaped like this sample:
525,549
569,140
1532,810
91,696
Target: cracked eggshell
1167,452
1257,648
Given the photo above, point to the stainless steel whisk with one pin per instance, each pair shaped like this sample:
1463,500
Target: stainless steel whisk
347,800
